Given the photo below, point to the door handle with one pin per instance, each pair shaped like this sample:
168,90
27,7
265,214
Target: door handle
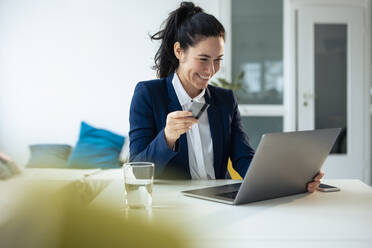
306,98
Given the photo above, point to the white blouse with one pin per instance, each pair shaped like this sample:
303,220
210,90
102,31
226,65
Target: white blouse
199,140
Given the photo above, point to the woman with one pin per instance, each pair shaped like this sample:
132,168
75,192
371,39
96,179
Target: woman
161,128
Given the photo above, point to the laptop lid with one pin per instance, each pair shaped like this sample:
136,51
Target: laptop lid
284,163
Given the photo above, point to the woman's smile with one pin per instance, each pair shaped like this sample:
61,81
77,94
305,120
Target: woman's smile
203,77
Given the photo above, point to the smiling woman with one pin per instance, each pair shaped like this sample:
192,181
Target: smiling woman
162,129
199,63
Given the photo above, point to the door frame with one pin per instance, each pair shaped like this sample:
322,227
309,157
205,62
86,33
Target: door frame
291,8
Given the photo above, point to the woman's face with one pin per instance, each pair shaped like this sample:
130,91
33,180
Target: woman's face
199,63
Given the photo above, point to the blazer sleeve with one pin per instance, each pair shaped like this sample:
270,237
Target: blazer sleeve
241,153
147,144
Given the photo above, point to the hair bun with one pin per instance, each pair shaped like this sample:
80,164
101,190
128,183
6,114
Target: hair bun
186,11
190,8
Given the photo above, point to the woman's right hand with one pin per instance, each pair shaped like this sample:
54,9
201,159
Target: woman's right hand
178,123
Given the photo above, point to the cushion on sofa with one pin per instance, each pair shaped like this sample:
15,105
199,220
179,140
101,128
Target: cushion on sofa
96,148
49,155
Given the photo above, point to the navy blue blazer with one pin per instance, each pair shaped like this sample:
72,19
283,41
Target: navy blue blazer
151,103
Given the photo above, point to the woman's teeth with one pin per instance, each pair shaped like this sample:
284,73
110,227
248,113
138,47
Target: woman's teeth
205,78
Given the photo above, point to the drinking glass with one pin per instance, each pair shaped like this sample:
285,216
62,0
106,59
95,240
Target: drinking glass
138,180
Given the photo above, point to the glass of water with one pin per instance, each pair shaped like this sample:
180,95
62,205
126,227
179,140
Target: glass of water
138,180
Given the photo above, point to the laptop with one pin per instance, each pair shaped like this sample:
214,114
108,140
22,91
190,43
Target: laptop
283,165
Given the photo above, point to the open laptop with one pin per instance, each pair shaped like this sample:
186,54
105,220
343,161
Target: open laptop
283,165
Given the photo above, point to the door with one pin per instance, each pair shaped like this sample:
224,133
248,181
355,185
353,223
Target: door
330,69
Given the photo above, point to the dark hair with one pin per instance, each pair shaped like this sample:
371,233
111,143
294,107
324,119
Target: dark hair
188,25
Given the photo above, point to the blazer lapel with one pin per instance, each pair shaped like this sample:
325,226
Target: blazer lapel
216,127
174,105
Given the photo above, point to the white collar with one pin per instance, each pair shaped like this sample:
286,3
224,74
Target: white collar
181,93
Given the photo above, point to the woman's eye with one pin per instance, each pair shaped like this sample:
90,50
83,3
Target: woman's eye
203,59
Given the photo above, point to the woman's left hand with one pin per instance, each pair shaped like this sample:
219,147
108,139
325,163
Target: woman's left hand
312,186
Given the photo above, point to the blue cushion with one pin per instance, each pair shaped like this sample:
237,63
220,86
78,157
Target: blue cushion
96,148
49,155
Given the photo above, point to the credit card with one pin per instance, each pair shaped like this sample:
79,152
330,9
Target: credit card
198,109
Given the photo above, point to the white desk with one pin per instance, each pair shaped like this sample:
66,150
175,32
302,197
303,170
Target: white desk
339,219
88,184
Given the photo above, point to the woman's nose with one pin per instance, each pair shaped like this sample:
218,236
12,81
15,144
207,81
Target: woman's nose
211,69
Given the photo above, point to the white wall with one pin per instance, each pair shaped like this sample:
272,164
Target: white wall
64,61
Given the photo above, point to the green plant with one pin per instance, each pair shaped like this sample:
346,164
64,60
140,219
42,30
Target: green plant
235,85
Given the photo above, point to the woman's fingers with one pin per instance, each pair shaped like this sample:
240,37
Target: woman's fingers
180,120
183,130
172,120
311,187
311,190
179,114
180,128
178,123
319,176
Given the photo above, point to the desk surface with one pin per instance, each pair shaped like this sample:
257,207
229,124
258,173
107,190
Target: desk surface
338,219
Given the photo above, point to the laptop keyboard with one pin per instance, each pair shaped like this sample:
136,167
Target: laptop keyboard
230,195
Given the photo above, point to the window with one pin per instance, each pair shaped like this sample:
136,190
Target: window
257,50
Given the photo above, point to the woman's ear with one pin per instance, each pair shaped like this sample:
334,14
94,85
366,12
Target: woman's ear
178,52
